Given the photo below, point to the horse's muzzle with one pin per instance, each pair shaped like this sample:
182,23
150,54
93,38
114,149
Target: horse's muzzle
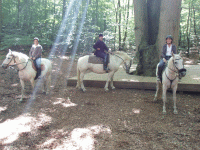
182,72
4,66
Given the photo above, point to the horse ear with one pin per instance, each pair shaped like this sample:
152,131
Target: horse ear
10,51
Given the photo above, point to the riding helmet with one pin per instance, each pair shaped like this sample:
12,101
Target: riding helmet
169,36
36,39
100,35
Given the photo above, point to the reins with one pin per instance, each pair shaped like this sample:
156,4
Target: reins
121,59
13,58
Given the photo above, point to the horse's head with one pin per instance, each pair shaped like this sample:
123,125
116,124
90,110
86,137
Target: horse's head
128,64
9,60
178,64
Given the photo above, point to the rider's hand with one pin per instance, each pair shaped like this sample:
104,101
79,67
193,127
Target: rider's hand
109,50
98,49
164,60
33,58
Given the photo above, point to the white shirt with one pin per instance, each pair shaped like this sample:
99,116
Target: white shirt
169,50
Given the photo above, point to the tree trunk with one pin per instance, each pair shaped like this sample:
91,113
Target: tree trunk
169,21
18,7
154,20
64,8
1,19
126,28
187,33
140,16
97,7
119,24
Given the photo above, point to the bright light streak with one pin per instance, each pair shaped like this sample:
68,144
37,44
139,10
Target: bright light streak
76,43
52,53
69,37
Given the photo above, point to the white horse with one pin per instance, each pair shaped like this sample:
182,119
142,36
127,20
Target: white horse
170,75
26,71
117,59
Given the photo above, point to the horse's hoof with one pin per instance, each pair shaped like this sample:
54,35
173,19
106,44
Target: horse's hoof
164,112
113,88
106,89
84,90
176,112
21,100
155,99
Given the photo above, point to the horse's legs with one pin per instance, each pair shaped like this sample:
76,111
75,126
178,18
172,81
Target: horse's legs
164,98
110,75
48,84
22,91
81,81
174,99
111,82
33,86
157,91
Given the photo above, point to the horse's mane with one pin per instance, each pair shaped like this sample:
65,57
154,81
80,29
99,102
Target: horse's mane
122,53
20,55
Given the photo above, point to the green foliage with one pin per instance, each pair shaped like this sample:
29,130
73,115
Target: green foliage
25,19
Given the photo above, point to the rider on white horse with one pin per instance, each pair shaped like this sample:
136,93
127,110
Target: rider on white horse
101,47
167,50
35,54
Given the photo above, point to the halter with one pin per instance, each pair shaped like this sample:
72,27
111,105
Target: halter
13,58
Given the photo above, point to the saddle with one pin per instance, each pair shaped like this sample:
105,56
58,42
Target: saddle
34,67
93,59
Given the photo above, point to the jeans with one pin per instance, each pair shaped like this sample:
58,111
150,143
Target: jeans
38,63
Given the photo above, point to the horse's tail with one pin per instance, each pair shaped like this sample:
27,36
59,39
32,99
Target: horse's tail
78,77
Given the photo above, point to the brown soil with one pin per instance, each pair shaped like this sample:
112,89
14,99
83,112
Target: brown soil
116,120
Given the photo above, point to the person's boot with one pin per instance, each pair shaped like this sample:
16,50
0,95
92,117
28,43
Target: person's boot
106,65
159,75
38,73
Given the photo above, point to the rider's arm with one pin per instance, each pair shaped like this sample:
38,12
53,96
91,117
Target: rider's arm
174,49
105,47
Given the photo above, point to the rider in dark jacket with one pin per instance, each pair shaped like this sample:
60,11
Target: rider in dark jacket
167,50
101,47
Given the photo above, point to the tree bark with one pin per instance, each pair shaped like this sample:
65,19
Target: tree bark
187,33
1,19
169,21
64,8
126,28
18,11
119,24
141,28
154,20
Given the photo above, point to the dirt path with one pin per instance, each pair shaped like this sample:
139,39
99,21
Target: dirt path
117,120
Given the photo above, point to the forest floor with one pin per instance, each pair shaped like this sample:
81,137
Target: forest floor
69,119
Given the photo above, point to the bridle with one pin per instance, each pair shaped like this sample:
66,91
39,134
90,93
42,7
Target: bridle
178,71
126,67
13,58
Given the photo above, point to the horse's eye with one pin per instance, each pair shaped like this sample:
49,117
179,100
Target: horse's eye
175,62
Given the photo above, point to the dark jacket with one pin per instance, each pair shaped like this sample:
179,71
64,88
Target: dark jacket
164,50
36,51
101,45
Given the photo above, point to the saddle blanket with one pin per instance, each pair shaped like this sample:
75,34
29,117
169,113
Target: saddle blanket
95,60
34,67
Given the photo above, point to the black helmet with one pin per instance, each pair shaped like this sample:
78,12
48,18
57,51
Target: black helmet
100,35
169,36
36,39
